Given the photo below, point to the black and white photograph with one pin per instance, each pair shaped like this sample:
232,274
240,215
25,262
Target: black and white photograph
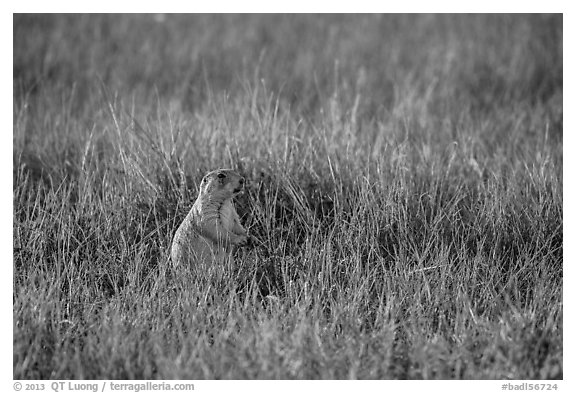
252,197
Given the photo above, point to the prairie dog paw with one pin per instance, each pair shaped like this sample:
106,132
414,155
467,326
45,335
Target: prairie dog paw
241,240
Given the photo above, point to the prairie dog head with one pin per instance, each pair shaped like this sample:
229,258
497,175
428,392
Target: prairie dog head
221,184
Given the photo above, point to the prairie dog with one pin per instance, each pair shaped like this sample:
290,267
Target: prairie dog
212,227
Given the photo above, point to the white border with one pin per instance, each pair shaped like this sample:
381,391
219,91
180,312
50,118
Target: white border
6,365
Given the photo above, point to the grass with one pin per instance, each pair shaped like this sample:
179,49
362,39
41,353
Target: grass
404,195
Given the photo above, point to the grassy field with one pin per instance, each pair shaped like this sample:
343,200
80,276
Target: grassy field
404,194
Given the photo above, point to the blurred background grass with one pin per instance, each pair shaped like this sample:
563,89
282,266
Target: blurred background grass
477,58
375,75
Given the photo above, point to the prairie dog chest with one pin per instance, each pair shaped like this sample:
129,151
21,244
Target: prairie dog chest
228,215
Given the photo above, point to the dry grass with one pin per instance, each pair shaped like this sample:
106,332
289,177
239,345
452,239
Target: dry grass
405,193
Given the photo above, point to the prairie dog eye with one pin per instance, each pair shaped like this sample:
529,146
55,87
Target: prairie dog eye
221,176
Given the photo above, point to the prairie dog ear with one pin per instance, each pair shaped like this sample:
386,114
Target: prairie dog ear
204,182
207,177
